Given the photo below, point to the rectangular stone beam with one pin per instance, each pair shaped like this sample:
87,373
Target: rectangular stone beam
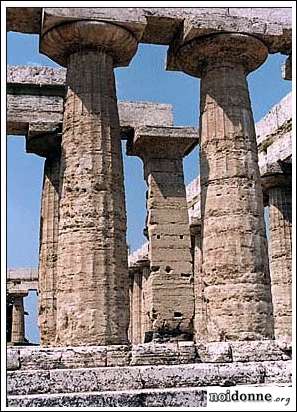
21,280
35,97
274,135
161,25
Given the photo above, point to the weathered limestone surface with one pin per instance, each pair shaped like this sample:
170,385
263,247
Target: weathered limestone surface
161,25
47,271
234,258
145,377
162,151
92,272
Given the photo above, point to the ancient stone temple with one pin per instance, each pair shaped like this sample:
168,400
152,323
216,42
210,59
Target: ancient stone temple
207,300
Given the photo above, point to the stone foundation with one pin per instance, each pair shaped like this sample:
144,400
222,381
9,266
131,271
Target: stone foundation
171,374
42,358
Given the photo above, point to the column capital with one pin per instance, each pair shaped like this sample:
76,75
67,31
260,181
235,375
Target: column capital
63,40
200,53
162,142
277,174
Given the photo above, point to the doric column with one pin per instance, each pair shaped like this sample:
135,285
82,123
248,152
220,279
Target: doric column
92,268
278,189
47,270
234,258
169,287
18,320
136,302
200,321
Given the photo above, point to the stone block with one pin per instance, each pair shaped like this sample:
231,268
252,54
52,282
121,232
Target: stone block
84,357
237,373
73,380
28,382
258,351
118,355
216,352
278,372
40,358
163,353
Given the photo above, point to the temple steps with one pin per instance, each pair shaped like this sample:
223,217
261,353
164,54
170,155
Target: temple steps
190,397
165,385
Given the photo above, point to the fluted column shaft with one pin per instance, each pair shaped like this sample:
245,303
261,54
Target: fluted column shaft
200,322
136,307
92,284
280,256
18,320
47,271
233,247
235,271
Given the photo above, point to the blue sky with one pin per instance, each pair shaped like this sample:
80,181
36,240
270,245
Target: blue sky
144,80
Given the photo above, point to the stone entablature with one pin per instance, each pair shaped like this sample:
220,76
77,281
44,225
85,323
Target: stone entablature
35,104
160,25
22,280
274,135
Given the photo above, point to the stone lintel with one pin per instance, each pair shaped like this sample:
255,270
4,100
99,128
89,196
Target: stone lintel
18,76
258,22
163,23
35,104
22,288
162,141
22,274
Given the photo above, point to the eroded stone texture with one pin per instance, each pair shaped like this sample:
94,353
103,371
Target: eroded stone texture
47,270
169,287
279,191
234,258
92,269
18,320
